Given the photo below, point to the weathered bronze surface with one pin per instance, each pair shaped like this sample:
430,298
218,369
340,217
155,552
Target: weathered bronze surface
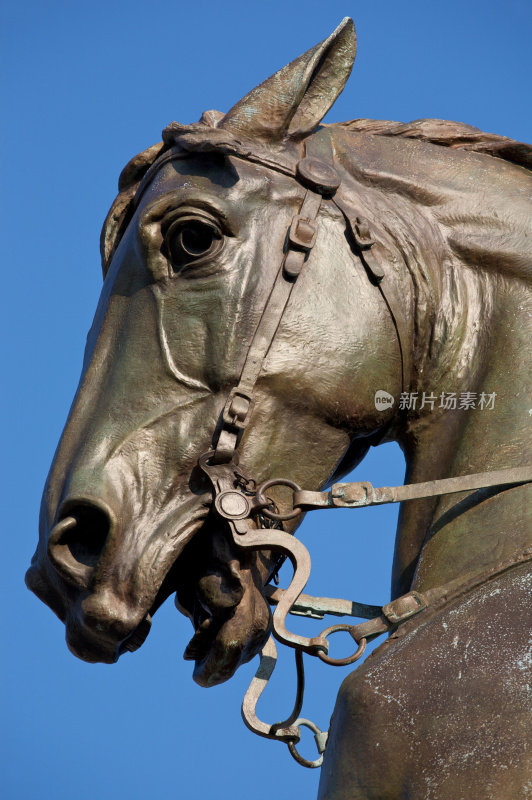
265,278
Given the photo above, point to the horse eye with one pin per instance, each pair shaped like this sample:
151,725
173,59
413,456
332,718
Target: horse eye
191,239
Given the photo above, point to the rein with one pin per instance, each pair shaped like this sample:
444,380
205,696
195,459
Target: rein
243,505
251,516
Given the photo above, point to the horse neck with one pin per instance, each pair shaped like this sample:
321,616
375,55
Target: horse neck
445,538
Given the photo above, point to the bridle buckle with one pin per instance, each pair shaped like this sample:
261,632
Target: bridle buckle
302,233
362,233
238,408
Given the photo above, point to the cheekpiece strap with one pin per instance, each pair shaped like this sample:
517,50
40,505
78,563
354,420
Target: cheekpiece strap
320,180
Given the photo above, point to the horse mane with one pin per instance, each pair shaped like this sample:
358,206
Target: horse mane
446,133
473,252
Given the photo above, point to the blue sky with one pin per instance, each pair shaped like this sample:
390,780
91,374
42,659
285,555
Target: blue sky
88,86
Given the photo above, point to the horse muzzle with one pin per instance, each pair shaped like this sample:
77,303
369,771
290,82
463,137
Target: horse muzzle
105,583
99,628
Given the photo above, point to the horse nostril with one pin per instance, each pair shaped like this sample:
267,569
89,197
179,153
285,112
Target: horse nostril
86,539
77,540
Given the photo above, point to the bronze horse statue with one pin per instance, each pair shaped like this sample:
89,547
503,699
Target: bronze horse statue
311,266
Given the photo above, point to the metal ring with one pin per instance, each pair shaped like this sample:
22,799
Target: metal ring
307,723
262,499
341,662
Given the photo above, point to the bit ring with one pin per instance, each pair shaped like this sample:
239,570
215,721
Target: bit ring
262,499
318,734
341,662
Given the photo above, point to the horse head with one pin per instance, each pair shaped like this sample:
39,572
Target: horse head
393,295
191,247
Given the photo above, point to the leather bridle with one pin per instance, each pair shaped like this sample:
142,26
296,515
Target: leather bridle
250,514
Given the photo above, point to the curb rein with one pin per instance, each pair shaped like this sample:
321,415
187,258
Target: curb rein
256,524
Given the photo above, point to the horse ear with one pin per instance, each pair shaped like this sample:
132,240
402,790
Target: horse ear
293,102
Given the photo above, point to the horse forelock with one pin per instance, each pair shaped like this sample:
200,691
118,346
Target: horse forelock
203,136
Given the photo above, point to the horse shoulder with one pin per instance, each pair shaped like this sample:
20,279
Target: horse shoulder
443,712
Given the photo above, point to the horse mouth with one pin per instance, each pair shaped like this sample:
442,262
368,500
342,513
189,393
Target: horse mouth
137,637
219,588
217,585
207,629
